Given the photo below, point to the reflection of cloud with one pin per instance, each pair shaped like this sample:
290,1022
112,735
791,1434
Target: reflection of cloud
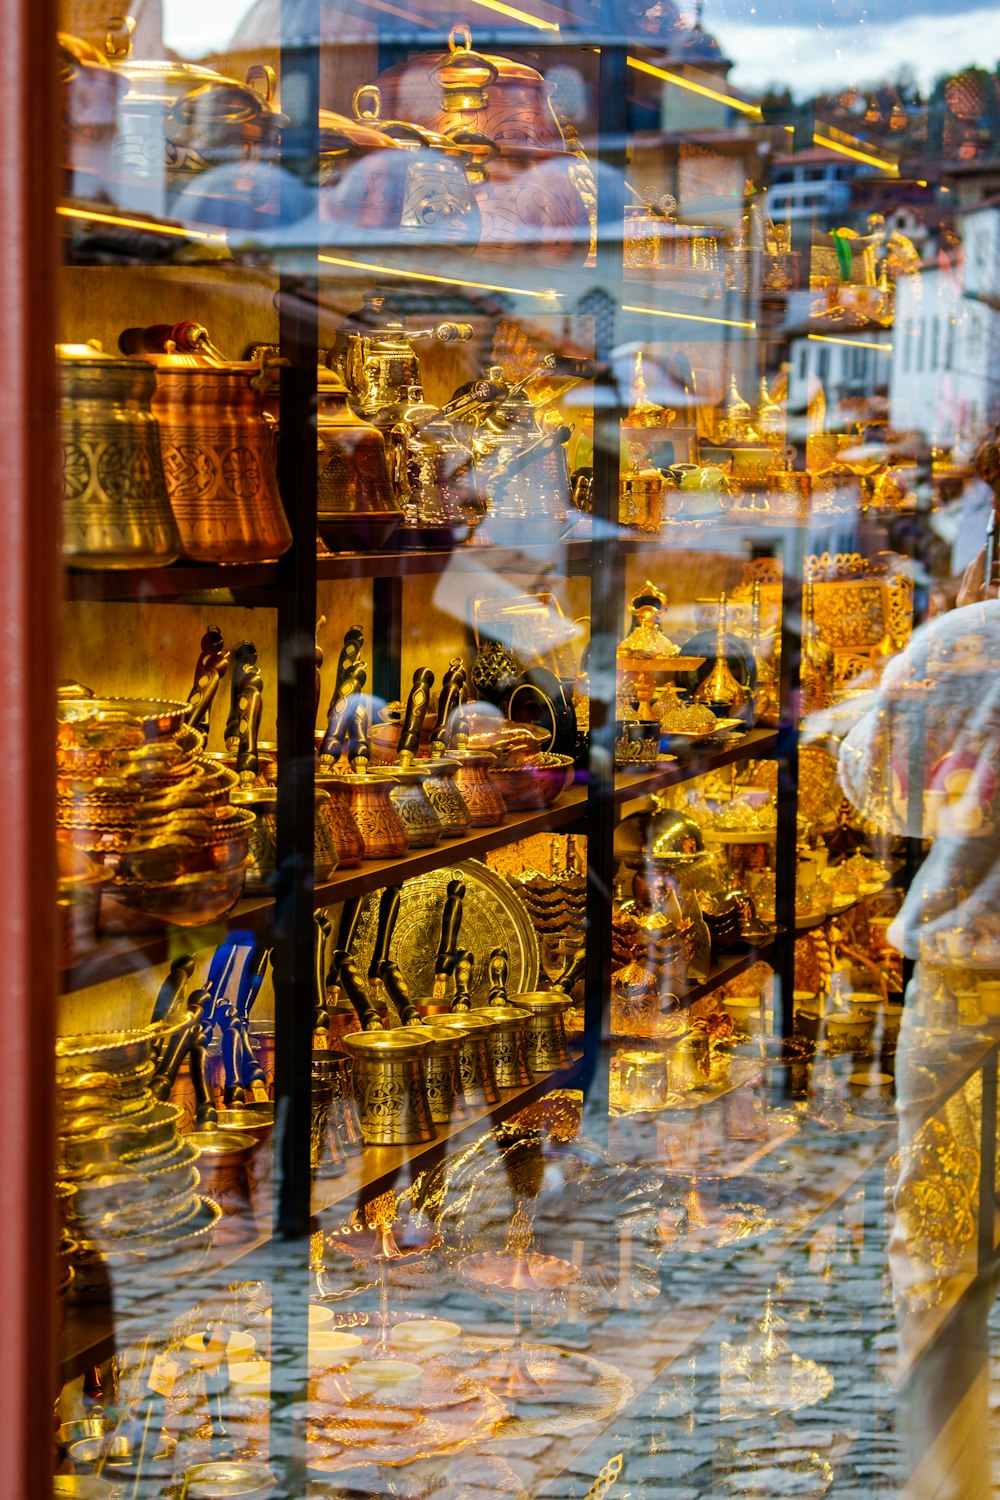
813,58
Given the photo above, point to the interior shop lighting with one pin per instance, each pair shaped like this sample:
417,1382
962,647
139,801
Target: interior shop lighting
121,221
479,286
659,312
742,105
517,15
830,338
830,144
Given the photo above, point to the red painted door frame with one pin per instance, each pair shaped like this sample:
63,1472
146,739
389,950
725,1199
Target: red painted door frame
29,593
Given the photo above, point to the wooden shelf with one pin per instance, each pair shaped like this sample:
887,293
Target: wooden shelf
758,744
115,957
378,1167
254,583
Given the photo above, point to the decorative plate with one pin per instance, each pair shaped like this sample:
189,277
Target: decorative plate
493,916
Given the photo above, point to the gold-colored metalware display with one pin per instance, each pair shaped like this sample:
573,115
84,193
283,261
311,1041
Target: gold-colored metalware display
116,510
390,1087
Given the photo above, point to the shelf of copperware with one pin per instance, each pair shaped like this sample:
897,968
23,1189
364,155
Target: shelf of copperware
114,957
378,1168
758,744
93,1332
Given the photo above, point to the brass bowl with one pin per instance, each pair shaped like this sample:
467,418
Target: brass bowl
536,783
158,718
256,1120
113,1052
188,901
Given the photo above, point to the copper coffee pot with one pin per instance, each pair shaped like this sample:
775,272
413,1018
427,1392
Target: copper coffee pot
357,506
218,450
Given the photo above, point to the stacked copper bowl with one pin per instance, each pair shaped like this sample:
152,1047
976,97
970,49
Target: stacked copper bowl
130,1183
134,790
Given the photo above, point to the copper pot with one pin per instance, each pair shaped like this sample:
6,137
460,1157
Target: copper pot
116,511
475,1059
223,1156
383,832
531,193
444,1075
91,91
343,829
545,1037
444,796
362,185
481,797
508,1044
356,505
422,824
218,448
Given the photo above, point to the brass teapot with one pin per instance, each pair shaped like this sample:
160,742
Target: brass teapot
177,119
434,474
374,355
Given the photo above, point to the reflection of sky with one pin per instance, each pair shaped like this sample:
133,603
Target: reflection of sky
813,47
810,45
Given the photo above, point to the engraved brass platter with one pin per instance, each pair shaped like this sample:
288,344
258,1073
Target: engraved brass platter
493,916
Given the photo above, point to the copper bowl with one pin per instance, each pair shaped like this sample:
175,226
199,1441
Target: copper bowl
111,1052
159,719
538,782
187,901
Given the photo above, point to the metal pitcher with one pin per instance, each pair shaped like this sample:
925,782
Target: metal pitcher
545,1036
356,504
218,448
374,355
390,1086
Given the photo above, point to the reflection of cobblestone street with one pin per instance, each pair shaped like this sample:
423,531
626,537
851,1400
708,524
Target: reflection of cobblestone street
760,1369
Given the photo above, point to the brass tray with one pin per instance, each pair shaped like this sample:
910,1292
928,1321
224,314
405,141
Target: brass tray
493,916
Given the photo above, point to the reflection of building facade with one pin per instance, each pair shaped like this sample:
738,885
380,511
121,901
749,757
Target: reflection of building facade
946,350
811,184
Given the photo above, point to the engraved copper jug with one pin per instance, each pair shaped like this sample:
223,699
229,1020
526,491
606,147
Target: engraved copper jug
116,511
218,447
390,1087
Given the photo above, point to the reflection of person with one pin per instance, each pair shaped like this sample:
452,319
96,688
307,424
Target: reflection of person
924,761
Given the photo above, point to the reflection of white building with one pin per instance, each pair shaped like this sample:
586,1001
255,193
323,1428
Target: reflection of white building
945,378
811,185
